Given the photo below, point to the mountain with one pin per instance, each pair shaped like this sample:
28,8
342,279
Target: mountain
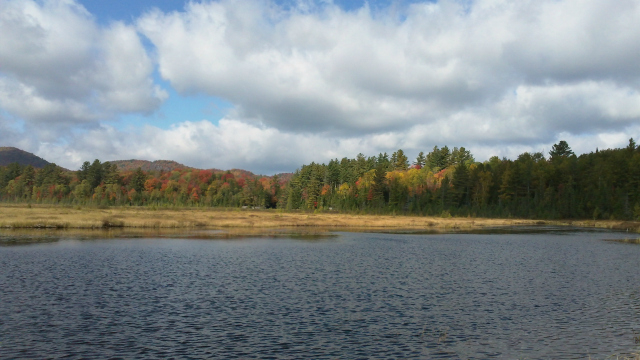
158,165
285,177
9,155
170,165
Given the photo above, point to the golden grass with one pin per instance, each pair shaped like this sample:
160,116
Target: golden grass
43,216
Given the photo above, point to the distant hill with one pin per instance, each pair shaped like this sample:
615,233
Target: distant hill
285,177
170,165
9,155
158,165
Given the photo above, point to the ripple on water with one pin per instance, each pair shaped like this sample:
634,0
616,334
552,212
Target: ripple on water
358,296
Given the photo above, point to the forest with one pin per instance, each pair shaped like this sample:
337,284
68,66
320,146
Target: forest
604,184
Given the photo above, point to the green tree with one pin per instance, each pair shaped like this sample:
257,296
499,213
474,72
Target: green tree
460,191
137,180
28,176
94,174
379,186
421,160
560,150
83,173
401,161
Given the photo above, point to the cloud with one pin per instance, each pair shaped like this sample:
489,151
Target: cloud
439,65
203,144
266,150
59,69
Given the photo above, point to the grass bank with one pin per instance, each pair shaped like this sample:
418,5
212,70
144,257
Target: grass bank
66,217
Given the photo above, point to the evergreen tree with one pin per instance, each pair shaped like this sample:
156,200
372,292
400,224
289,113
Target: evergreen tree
461,156
460,192
560,150
401,160
94,174
420,160
28,176
83,173
632,145
137,180
383,160
275,186
379,186
294,192
111,175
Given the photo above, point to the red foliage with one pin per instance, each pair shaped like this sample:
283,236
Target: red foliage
164,184
204,176
131,194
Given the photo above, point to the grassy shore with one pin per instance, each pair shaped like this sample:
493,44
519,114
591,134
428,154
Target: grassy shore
43,216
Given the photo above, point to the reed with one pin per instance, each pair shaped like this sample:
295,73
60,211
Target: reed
51,216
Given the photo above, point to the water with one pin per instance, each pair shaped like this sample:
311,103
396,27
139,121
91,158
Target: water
357,295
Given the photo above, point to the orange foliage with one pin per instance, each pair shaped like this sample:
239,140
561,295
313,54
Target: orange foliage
266,183
195,194
150,184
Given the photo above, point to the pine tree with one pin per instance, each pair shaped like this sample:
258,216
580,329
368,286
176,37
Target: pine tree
138,179
560,150
94,174
460,185
420,160
402,162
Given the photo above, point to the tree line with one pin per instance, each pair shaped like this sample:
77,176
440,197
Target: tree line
102,184
604,184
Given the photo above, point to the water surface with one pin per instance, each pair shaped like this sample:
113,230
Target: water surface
556,294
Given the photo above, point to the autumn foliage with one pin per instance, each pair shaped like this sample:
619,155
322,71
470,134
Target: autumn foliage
604,184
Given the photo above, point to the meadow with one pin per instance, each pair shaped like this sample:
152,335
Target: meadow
17,216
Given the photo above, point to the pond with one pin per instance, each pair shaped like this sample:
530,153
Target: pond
514,294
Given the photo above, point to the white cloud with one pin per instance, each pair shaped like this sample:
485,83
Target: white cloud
366,71
58,68
236,144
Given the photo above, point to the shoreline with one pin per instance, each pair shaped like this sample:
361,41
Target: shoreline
23,216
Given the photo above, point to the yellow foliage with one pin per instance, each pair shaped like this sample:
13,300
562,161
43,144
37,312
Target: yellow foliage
344,190
367,179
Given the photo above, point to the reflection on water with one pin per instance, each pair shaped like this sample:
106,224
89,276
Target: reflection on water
10,237
357,295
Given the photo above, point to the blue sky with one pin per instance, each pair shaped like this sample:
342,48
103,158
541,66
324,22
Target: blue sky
268,86
106,11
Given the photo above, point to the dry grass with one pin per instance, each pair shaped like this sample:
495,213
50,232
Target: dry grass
40,216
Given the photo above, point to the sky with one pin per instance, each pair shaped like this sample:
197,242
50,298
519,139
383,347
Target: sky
268,86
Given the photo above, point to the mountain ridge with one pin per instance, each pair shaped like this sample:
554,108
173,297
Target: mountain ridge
171,165
147,165
10,154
